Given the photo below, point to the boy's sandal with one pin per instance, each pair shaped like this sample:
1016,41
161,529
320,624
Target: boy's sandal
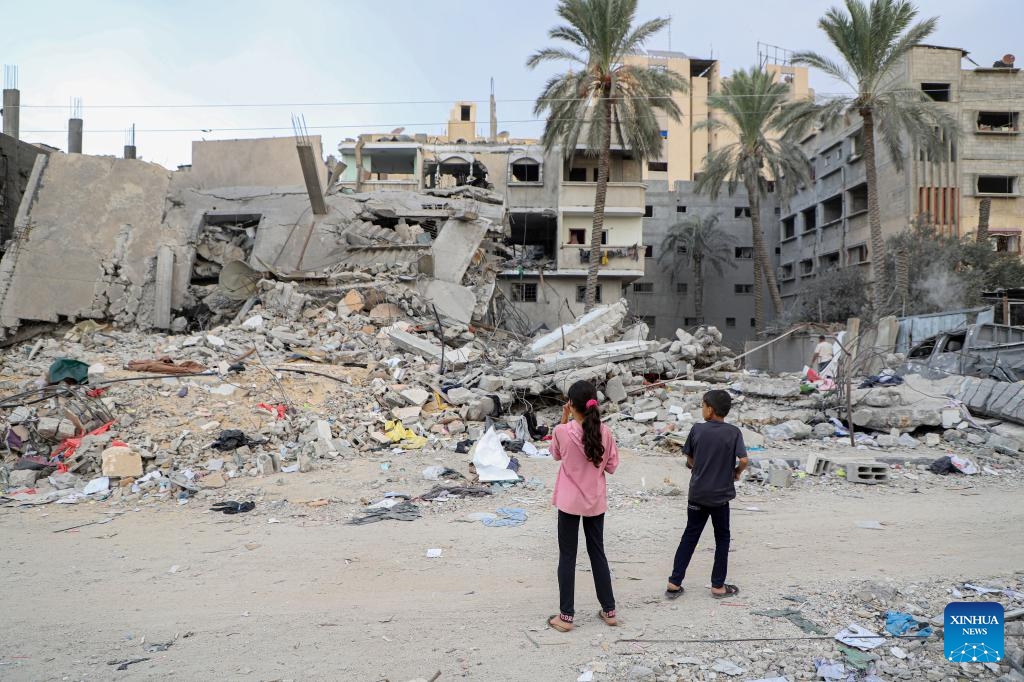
555,622
730,590
608,620
674,594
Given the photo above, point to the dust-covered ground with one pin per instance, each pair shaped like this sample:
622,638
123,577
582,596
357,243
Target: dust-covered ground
290,592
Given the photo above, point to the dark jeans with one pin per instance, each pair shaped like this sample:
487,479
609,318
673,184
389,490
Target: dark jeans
696,518
568,539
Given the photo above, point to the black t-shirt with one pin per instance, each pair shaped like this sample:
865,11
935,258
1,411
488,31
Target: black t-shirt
715,446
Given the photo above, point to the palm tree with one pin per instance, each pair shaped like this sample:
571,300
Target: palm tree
757,112
602,94
698,242
984,211
873,39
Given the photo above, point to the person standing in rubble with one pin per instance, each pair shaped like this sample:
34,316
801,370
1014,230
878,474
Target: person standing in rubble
586,449
822,354
717,457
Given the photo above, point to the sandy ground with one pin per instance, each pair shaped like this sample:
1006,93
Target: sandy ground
311,598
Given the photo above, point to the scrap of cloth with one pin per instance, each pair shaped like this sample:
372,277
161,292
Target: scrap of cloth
165,365
506,516
403,511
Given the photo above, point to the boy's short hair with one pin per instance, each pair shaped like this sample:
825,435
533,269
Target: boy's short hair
821,338
719,401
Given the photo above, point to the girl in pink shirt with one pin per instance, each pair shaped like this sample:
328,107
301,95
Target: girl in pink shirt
587,451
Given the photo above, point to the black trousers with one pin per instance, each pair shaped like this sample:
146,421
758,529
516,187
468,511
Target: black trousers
696,518
568,540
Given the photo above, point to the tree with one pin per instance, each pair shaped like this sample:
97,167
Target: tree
600,94
756,110
873,39
984,211
699,243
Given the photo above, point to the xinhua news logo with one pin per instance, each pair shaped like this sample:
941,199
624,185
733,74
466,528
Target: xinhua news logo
973,632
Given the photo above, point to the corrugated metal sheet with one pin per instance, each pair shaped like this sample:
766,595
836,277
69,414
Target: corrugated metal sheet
917,328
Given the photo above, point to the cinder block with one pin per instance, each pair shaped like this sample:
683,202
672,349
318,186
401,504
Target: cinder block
779,477
817,466
867,472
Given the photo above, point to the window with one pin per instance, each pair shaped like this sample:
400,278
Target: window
743,288
937,91
648,211
856,145
789,227
464,112
858,199
526,293
526,170
664,134
581,293
657,166
596,171
997,184
577,236
741,212
577,175
832,209
691,321
681,288
744,252
829,261
643,287
810,218
998,122
769,186
649,251
786,272
855,255
1006,243
680,209
806,267
730,322
753,322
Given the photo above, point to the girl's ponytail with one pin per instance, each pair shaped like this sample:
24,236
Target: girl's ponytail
583,397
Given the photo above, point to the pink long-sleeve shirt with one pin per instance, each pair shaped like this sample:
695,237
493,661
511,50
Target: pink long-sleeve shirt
580,487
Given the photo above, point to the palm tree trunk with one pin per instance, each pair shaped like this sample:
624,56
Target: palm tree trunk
903,277
698,288
874,214
760,249
758,296
984,211
603,166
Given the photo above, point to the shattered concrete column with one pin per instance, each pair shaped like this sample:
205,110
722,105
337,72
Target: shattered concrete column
308,161
164,287
12,101
75,127
129,151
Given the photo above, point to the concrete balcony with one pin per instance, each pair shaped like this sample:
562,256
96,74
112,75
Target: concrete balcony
616,260
623,198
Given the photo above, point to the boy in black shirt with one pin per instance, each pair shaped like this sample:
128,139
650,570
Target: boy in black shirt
715,452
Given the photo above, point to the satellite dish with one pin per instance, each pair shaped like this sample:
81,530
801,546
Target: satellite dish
238,281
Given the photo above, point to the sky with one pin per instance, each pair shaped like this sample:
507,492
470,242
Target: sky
188,70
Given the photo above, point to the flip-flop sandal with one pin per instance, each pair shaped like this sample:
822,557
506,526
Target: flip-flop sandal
730,590
611,621
558,623
675,594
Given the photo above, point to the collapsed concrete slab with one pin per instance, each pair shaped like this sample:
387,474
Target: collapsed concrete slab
595,326
619,351
453,301
454,249
917,402
453,357
991,398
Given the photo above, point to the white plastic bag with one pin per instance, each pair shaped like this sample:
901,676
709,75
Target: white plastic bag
490,459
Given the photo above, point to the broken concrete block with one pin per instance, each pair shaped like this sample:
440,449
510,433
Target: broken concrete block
491,383
385,312
520,370
406,414
351,303
416,396
615,391
933,439
453,301
1004,445
453,357
479,409
770,388
213,481
790,430
823,430
459,396
120,462
598,323
56,429
23,478
644,417
453,250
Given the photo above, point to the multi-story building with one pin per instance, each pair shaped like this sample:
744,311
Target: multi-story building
825,225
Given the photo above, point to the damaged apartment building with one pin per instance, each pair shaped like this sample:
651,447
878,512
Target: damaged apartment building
825,225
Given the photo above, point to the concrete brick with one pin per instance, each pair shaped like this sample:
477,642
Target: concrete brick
867,472
817,465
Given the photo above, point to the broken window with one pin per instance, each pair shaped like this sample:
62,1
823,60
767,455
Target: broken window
997,184
533,236
832,209
649,251
680,209
789,227
858,199
1006,243
221,278
456,171
856,145
923,350
581,294
657,166
998,122
681,288
577,175
810,216
743,289
743,252
643,287
648,211
937,91
806,267
526,170
829,261
741,212
730,322
465,111
855,255
525,292
577,236
786,272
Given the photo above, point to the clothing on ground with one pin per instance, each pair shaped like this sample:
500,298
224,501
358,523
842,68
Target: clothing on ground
715,446
580,487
